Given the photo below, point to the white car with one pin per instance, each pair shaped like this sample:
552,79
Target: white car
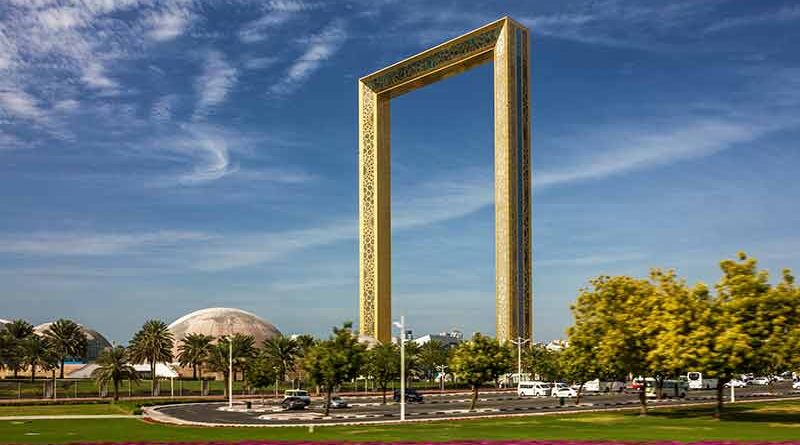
562,390
297,394
760,381
533,389
735,384
796,384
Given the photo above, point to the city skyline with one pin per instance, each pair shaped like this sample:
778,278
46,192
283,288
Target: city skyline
161,157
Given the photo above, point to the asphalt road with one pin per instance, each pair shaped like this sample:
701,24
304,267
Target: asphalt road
365,409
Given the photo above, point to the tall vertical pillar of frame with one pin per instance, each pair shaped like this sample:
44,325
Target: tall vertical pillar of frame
375,285
514,299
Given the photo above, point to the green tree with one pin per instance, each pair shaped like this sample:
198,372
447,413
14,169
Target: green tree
480,360
67,340
244,350
744,322
610,317
193,352
777,322
334,361
19,330
283,352
37,353
430,355
152,344
9,350
243,354
542,362
383,365
113,367
674,314
263,371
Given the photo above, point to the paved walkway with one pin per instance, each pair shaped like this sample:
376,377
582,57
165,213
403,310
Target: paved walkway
71,416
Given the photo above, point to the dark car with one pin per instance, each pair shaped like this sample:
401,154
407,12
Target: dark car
293,403
411,395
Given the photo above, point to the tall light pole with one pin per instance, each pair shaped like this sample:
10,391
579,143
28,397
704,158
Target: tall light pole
402,326
519,342
230,373
441,369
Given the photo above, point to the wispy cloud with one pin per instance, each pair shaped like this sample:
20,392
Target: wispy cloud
213,86
168,24
318,49
259,30
162,109
94,244
786,14
20,104
621,150
591,260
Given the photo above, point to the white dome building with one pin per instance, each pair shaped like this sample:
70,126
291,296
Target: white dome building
221,321
95,341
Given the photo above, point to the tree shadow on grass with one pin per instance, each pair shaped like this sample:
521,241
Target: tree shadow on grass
738,413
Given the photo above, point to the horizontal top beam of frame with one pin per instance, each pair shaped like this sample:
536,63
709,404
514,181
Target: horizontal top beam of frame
449,58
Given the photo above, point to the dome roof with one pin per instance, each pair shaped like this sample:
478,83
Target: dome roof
96,342
91,334
219,321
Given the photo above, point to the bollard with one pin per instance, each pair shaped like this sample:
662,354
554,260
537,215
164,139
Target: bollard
561,401
248,404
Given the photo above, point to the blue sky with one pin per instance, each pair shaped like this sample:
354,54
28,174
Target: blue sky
161,156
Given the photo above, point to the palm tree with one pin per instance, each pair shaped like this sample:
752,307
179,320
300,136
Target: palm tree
152,344
37,353
114,367
19,330
194,350
283,351
66,339
9,350
243,353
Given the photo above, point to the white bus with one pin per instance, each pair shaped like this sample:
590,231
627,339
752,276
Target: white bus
697,381
534,389
670,389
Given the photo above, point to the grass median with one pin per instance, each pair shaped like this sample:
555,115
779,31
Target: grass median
779,421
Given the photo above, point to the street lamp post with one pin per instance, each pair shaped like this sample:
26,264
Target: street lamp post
519,342
230,374
402,326
441,369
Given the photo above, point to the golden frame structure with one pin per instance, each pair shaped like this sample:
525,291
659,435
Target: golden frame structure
505,42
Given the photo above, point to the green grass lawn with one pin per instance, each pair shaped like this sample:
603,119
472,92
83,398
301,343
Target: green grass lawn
50,410
745,422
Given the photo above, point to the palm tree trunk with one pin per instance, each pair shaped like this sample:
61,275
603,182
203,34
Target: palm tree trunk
153,377
116,390
33,372
194,371
62,369
383,390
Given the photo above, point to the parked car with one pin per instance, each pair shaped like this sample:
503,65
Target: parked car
297,394
735,384
563,390
411,395
796,384
534,388
760,381
293,403
338,402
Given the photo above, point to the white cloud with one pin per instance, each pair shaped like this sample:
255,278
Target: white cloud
213,86
162,109
20,104
786,14
94,244
259,30
168,24
318,49
621,150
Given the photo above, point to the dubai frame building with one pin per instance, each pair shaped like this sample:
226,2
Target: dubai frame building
506,43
